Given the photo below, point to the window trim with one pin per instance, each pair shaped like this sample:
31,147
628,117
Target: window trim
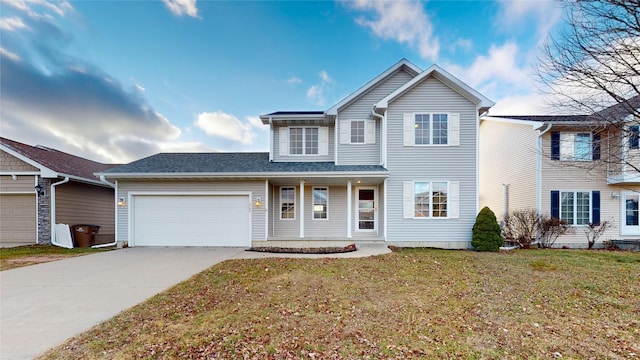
357,209
453,129
294,202
304,140
634,137
575,206
447,204
364,132
573,157
313,203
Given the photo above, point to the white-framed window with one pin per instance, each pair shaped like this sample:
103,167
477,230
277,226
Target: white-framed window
425,199
303,140
357,131
430,198
575,207
287,203
320,203
575,146
432,129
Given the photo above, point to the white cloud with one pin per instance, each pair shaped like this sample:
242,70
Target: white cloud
317,93
544,14
8,54
403,21
293,81
464,44
182,7
58,7
496,72
532,104
12,24
255,122
226,126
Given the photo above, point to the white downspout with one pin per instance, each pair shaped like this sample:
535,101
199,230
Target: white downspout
115,195
104,180
271,145
383,136
53,212
384,187
539,170
348,209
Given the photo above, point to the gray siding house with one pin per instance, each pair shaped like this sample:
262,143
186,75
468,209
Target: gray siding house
396,161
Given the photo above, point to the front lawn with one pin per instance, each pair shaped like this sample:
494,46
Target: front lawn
14,257
413,303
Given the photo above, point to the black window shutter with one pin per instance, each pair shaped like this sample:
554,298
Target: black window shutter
595,147
555,146
634,137
555,204
595,207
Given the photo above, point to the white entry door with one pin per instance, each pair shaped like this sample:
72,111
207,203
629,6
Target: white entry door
630,224
366,211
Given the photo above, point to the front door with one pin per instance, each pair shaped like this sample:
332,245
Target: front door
630,211
366,211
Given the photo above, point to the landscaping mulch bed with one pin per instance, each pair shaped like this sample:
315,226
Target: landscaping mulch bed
312,250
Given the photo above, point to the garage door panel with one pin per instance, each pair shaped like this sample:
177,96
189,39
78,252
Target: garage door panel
189,220
18,219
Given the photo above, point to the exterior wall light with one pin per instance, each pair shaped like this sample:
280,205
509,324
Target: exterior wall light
258,202
122,202
39,190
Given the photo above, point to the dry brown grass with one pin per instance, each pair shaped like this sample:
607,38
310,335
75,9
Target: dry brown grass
413,303
14,257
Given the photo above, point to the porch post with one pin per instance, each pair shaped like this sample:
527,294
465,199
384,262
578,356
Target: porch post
348,209
301,208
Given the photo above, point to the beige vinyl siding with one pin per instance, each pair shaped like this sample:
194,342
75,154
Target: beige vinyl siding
433,163
79,203
9,162
23,184
508,155
256,188
296,158
572,176
17,219
360,109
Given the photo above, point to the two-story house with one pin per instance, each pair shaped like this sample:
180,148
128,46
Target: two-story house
396,161
578,168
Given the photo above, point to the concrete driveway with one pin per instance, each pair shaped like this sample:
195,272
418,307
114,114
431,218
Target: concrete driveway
43,305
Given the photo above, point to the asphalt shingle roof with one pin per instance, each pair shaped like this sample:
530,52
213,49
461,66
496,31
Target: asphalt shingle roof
545,118
58,161
174,163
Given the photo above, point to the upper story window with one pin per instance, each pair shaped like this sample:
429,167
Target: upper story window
431,129
303,140
634,137
575,146
357,131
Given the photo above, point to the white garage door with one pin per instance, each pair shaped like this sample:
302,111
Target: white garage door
191,220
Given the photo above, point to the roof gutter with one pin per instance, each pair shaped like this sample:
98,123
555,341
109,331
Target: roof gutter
383,136
539,168
261,176
104,180
53,214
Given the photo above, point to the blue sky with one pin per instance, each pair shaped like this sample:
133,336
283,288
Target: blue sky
115,81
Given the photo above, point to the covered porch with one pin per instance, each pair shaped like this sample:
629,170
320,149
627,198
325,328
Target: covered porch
325,210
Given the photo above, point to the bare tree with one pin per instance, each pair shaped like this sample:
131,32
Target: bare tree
592,67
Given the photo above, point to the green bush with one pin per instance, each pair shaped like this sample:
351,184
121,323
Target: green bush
486,232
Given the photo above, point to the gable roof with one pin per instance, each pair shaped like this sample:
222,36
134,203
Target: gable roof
620,110
403,64
230,165
54,163
465,90
545,118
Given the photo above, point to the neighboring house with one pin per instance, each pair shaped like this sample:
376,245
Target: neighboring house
396,161
69,193
555,164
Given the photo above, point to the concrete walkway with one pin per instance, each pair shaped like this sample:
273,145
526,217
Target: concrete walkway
43,305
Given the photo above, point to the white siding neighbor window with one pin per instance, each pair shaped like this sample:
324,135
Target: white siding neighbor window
431,199
320,203
287,203
431,129
358,132
575,207
575,146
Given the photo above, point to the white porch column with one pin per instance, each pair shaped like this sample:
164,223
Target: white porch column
301,208
349,209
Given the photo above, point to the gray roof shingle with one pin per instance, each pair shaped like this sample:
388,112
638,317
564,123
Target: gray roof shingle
229,163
